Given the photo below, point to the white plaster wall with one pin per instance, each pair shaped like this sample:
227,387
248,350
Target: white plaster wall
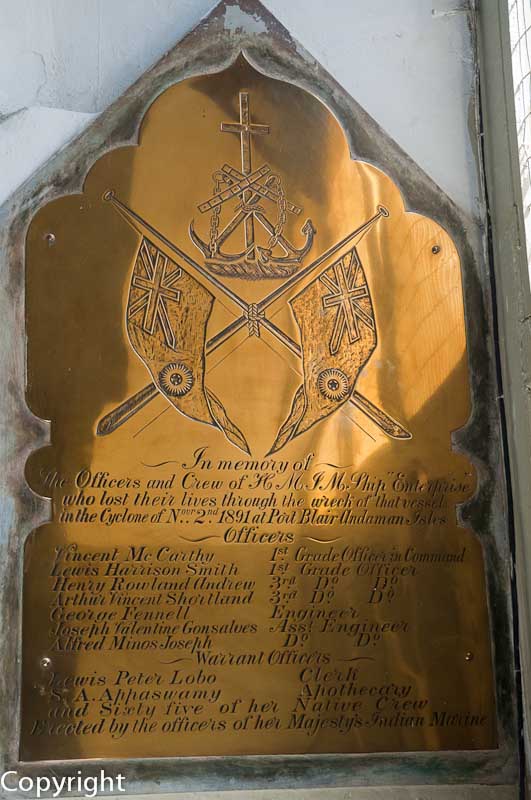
408,62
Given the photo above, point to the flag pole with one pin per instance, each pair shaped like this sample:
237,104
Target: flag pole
141,226
311,271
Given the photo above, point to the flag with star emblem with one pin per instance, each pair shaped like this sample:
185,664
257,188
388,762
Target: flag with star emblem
166,317
338,336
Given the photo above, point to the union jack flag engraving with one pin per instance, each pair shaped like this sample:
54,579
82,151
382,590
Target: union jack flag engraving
155,276
334,347
167,315
347,289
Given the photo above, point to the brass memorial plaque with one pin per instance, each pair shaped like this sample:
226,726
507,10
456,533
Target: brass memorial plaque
253,358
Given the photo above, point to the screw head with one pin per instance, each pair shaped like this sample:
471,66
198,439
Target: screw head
50,239
469,656
436,249
46,662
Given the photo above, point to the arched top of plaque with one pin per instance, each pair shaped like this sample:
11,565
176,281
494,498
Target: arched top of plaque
244,225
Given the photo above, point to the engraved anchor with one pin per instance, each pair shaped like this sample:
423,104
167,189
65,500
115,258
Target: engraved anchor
279,258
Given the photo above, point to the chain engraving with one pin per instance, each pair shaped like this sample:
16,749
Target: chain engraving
278,258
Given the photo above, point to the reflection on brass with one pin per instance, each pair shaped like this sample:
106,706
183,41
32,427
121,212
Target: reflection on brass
157,302
275,565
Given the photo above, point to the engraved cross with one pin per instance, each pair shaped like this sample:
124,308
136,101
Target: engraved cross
245,128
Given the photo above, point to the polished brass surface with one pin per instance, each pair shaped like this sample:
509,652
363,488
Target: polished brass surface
253,359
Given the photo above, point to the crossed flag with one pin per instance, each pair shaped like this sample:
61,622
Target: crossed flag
167,314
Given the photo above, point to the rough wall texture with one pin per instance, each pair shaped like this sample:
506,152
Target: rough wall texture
408,63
